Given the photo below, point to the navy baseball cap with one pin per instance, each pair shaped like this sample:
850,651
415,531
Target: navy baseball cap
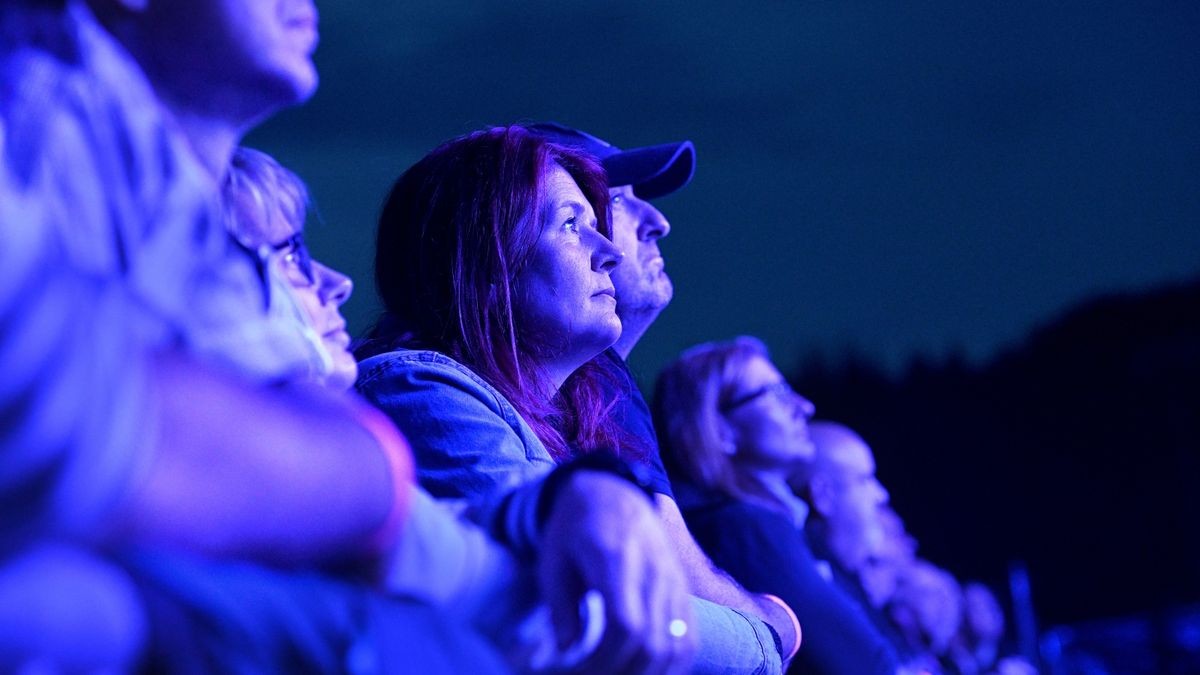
653,171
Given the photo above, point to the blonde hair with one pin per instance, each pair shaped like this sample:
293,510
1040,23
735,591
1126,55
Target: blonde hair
689,396
257,187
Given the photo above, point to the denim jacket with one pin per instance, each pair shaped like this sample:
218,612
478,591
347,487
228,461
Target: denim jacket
469,442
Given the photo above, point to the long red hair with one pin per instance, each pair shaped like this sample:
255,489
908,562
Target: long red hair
456,230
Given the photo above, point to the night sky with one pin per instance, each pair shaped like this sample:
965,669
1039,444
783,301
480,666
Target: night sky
890,178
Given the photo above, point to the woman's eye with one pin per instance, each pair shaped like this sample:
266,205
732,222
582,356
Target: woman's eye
571,225
292,263
616,199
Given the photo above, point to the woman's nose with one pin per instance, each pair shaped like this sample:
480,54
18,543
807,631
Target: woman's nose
606,256
333,286
804,406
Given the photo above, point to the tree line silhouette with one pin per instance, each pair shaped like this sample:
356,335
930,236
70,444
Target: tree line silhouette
1076,451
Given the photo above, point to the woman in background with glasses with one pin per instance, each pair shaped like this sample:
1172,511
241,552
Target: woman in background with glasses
732,431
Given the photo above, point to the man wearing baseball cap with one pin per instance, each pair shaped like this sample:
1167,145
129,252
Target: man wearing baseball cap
643,291
634,176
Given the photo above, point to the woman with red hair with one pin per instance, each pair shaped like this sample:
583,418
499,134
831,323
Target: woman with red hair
493,260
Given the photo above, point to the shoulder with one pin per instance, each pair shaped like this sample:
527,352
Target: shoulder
380,366
722,523
433,373
751,519
465,434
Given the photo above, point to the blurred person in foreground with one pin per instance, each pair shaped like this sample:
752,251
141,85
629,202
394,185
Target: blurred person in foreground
124,302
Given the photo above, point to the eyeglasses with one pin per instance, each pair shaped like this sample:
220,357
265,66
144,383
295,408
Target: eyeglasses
295,255
781,390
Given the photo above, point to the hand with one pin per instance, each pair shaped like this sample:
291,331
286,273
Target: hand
603,535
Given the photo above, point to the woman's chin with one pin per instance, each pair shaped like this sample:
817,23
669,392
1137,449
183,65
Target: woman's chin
611,336
596,341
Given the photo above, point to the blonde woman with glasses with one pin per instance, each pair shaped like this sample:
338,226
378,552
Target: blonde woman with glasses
732,430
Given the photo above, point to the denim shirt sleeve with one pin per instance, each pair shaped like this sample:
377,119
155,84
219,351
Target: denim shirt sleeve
468,441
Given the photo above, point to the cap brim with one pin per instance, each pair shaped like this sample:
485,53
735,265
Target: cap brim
653,171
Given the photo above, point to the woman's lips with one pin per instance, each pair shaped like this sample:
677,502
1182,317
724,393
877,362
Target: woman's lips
338,336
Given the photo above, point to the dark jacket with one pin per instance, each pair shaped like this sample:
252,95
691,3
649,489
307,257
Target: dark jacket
765,552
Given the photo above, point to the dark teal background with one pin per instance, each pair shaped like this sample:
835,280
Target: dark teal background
894,178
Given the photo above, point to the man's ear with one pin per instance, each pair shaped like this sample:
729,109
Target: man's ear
727,438
728,445
820,494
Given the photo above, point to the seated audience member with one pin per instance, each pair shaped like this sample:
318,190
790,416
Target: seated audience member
976,646
643,290
136,348
124,416
927,609
840,487
265,208
845,525
493,260
732,431
897,551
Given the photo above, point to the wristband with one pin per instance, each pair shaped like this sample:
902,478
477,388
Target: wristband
795,622
399,460
593,461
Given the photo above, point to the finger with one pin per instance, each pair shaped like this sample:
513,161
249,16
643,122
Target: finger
661,608
675,617
619,580
562,591
663,642
684,631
